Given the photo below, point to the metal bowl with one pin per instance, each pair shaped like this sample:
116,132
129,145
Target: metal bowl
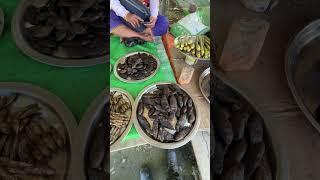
277,153
1,21
125,133
188,54
93,115
122,60
205,74
302,70
158,144
56,113
24,46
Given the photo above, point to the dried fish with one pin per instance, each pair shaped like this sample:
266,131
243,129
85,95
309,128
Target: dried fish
137,67
253,157
239,121
255,129
165,120
218,159
73,27
120,114
234,173
222,124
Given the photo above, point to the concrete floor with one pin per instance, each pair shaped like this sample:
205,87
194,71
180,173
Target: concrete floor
127,163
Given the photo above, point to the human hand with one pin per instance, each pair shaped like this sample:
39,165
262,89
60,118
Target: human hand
133,19
151,23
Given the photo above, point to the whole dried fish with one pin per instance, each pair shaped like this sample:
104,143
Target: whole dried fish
255,129
223,126
234,173
237,150
239,121
253,157
218,159
182,134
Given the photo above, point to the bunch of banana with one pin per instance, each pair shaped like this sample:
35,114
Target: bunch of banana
196,46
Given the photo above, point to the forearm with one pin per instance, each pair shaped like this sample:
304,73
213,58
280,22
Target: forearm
154,7
116,6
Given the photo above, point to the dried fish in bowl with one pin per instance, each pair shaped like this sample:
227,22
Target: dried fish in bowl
242,147
66,29
166,113
137,67
27,140
120,114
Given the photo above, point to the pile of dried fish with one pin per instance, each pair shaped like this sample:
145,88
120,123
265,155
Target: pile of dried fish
98,158
137,67
195,46
67,28
240,145
26,139
120,115
130,42
166,114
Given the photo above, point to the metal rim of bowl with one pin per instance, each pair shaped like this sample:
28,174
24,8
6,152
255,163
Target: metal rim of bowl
156,143
304,37
56,104
279,151
1,21
84,133
23,45
187,54
123,58
202,76
128,128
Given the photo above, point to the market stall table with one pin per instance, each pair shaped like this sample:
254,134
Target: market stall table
194,90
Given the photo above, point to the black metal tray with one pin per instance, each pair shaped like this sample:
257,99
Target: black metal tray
56,113
94,114
23,45
276,155
303,70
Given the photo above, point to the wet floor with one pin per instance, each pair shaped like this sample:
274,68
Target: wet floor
127,163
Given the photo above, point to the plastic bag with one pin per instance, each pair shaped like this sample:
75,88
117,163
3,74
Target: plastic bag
191,24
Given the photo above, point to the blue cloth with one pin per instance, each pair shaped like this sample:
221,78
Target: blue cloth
161,26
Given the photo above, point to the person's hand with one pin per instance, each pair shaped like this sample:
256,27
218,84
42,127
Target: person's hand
133,19
152,22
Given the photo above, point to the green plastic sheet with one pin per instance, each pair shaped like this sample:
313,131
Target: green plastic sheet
76,87
165,73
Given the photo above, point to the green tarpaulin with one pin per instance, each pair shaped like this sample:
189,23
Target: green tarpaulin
77,87
165,73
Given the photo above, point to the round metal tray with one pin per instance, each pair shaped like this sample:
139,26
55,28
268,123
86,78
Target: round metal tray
188,54
125,133
89,121
153,142
303,73
56,113
122,59
204,75
277,153
24,46
1,21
